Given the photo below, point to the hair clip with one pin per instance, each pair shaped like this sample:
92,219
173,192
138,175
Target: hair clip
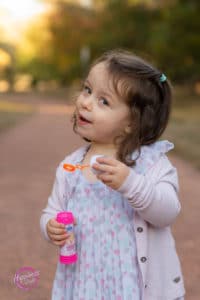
163,78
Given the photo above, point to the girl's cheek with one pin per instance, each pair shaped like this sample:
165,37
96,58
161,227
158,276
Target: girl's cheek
80,97
78,101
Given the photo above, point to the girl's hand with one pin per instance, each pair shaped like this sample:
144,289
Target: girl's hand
57,232
115,172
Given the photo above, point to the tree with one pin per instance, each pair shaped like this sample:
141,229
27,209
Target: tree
179,49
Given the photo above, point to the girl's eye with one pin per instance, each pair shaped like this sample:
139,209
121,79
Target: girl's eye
105,101
87,89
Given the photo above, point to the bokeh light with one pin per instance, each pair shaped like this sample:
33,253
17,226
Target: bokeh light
21,9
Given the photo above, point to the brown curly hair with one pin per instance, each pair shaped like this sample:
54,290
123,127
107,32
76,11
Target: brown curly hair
148,98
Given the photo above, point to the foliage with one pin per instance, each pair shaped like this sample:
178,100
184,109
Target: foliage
53,45
165,32
175,42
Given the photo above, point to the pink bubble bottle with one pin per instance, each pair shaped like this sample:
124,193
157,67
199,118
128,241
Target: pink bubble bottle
68,253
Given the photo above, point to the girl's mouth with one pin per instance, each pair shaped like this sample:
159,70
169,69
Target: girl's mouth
81,120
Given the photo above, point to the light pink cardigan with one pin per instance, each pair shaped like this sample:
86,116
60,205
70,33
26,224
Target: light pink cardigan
151,187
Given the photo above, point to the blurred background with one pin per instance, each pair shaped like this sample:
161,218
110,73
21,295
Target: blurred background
46,47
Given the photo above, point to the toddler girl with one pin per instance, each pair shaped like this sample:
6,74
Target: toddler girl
125,203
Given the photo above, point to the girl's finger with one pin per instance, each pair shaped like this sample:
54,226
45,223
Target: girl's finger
105,177
54,224
55,230
108,160
59,243
60,237
104,168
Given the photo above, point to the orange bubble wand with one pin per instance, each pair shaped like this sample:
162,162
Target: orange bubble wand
72,168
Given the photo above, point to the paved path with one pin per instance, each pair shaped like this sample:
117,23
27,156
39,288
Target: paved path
30,153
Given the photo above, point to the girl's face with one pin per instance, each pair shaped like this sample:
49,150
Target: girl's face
98,102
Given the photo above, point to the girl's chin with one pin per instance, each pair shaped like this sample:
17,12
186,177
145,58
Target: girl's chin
84,137
87,140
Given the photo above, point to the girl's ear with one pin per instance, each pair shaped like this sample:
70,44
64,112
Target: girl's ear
127,129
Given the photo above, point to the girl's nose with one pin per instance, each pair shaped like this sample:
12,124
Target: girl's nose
87,102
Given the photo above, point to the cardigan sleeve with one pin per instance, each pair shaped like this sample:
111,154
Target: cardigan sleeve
55,202
154,195
61,191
